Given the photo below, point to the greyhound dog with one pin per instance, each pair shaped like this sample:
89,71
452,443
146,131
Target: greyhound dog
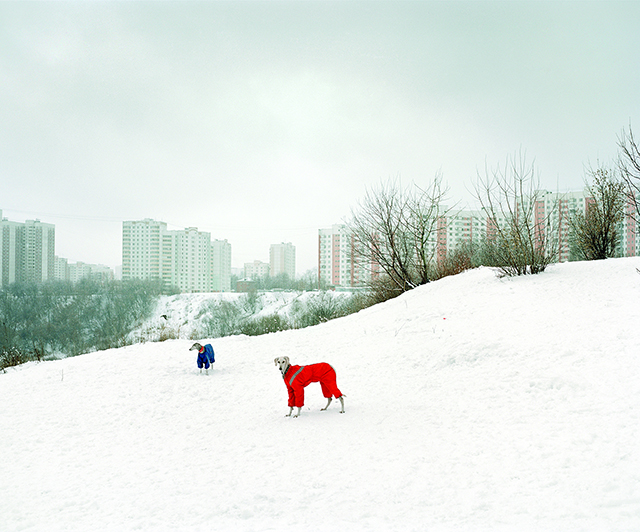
206,356
297,378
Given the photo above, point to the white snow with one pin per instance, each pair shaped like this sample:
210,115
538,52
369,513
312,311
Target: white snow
182,315
473,403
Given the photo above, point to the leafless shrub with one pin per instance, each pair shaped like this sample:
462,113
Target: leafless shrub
394,230
518,240
595,233
463,257
167,332
12,356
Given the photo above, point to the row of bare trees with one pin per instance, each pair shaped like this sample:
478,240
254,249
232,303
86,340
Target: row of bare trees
395,229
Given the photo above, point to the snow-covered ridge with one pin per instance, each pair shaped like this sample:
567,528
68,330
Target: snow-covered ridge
472,403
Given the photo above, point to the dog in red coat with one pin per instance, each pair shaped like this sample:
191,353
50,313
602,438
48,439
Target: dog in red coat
298,377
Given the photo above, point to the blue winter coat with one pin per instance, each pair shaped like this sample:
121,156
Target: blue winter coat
206,357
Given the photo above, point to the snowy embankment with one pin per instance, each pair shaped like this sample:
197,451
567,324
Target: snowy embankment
473,403
185,316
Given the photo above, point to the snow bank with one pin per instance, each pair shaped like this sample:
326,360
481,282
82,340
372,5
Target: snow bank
185,315
472,403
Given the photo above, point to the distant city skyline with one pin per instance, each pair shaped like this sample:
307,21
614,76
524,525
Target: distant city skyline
214,268
260,122
258,266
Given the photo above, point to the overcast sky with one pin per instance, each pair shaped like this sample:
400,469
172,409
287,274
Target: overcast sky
261,122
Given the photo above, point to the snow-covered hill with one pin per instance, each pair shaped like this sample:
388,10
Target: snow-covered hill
185,316
473,403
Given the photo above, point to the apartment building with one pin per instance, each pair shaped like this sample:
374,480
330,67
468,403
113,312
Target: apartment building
27,251
256,270
74,272
11,261
220,266
282,260
185,259
189,254
61,269
551,211
141,245
630,245
455,228
337,262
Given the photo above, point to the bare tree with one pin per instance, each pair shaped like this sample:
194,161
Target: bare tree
394,231
629,167
595,233
519,239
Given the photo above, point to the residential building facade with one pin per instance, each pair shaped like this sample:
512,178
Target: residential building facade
141,244
185,259
65,271
337,262
256,270
27,251
630,246
61,269
189,251
282,260
551,211
220,266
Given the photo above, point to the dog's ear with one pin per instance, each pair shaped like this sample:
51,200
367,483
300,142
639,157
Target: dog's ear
275,360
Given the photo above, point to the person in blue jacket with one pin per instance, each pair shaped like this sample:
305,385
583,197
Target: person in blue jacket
205,356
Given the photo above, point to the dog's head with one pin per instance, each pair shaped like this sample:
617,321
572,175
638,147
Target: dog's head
282,363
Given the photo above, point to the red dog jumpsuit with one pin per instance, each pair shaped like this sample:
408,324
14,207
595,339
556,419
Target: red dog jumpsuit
297,377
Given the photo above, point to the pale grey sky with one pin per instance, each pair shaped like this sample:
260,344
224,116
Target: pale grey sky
261,122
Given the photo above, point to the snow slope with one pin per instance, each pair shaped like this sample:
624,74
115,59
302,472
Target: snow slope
472,404
182,315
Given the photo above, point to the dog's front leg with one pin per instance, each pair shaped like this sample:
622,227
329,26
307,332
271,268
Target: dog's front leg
297,413
328,403
290,410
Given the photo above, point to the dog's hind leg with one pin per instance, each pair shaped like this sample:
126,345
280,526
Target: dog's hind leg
342,403
328,403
